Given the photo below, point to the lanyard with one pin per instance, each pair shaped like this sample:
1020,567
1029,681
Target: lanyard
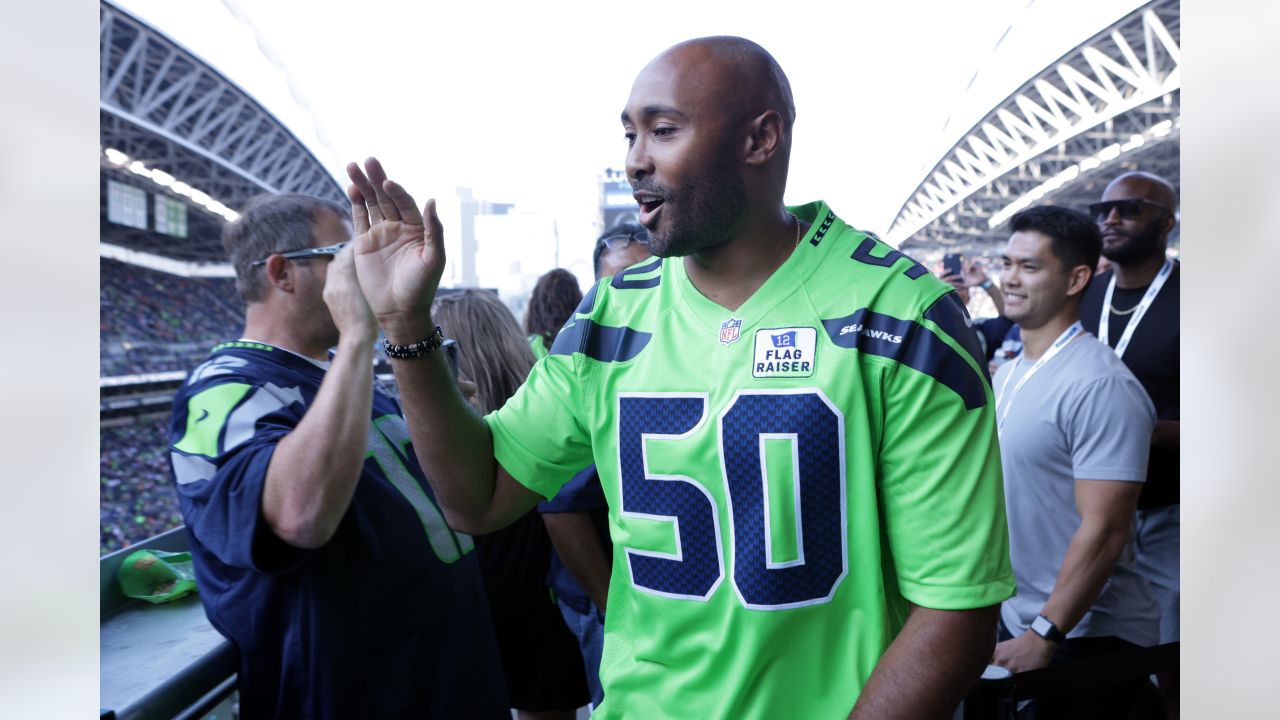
1147,299
1067,336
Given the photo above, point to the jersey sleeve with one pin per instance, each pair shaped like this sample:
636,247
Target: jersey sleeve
221,441
941,486
581,494
1110,427
540,435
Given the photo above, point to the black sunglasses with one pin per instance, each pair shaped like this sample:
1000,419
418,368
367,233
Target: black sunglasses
1128,209
613,242
305,253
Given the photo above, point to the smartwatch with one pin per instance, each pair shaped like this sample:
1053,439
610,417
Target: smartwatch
1045,628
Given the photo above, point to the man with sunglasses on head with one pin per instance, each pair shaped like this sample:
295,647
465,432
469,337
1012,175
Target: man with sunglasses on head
318,547
1133,308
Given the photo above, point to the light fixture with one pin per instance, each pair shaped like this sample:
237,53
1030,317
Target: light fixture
165,180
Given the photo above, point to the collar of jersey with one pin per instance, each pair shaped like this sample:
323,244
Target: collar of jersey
322,364
784,281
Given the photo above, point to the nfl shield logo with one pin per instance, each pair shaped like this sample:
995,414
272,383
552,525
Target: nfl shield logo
729,331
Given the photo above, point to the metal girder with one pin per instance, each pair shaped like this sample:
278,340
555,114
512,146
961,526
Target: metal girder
153,86
1121,83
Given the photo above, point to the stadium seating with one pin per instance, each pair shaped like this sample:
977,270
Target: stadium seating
152,321
136,493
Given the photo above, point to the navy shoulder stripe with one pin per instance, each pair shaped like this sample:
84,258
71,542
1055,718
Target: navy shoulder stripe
599,342
623,281
951,315
911,344
588,301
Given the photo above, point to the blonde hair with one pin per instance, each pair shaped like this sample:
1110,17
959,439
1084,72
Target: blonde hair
492,351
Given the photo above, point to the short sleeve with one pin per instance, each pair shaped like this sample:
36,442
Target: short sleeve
942,492
538,436
221,442
581,494
1110,426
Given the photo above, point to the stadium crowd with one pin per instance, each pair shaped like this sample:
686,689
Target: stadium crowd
1070,483
152,321
136,497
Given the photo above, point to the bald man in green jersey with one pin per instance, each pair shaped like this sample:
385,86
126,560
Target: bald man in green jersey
792,423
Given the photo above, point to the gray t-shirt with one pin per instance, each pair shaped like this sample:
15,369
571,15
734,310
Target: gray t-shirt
1083,416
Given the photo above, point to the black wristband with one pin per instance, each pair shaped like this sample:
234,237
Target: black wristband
419,349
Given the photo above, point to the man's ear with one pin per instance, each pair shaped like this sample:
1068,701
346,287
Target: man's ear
279,273
1078,279
764,138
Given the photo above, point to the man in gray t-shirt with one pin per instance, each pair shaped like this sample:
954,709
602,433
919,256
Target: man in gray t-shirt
1075,426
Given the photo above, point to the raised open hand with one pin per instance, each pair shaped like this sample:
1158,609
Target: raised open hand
399,255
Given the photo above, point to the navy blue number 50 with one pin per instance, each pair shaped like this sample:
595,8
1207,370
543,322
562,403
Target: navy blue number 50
814,429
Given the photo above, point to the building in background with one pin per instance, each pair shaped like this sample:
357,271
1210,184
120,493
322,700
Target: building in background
616,203
470,208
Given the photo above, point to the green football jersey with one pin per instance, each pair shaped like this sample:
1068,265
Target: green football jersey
538,347
782,478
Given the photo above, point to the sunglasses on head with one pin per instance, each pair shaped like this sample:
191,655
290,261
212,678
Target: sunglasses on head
1128,209
612,242
305,253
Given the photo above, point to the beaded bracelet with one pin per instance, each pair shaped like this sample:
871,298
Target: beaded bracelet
416,350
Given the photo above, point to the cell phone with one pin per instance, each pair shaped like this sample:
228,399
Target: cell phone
450,347
952,264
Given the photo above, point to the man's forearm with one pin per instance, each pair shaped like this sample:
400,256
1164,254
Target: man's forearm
1166,434
930,666
315,468
1090,559
997,298
574,536
452,442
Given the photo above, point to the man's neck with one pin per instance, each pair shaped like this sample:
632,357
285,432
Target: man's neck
1138,273
731,272
266,327
1036,341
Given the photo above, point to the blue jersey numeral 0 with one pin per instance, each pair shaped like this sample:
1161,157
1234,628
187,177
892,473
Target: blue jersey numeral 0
815,430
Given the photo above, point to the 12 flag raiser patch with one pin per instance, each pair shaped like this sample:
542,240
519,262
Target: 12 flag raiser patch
784,352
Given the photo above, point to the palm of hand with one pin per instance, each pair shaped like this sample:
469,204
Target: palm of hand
397,267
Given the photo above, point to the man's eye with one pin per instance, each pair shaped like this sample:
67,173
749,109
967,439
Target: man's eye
663,131
631,138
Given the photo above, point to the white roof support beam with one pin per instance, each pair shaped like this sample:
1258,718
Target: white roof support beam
1134,62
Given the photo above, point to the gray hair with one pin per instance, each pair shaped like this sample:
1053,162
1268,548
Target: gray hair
270,224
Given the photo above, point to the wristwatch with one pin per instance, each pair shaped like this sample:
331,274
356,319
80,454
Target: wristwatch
1045,628
985,284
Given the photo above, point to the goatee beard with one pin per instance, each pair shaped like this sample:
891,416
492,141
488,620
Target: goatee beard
1147,243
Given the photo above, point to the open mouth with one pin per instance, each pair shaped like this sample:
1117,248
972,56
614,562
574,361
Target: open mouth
649,207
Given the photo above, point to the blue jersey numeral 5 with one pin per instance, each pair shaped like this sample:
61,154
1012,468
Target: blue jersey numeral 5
814,430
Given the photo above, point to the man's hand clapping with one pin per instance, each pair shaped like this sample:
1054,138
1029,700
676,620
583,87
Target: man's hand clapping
399,257
346,301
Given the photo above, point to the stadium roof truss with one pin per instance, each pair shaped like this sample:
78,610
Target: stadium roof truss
1112,100
165,107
